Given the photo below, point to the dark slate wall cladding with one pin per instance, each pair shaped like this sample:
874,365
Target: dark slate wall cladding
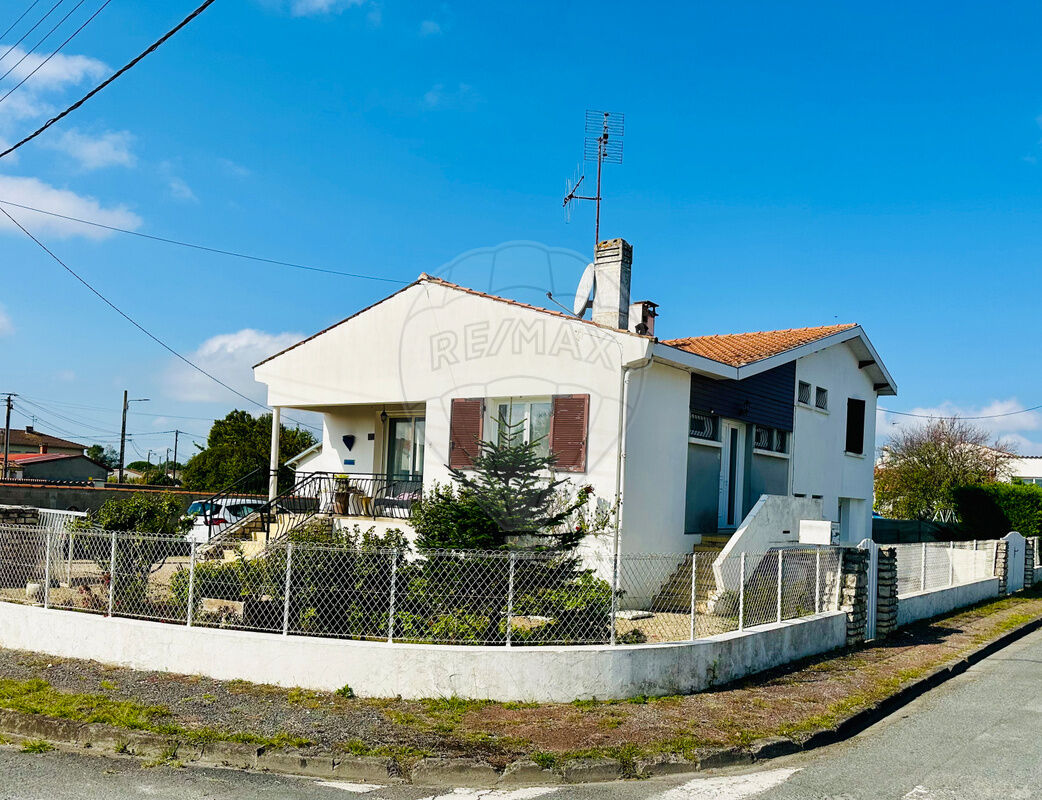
764,399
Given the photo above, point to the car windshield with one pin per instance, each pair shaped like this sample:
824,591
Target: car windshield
198,507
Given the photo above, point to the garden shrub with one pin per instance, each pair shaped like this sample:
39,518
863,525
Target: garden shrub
992,510
449,520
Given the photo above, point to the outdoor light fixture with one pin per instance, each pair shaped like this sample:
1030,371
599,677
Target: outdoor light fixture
383,416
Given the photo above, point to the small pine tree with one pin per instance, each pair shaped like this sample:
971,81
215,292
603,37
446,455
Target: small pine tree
509,480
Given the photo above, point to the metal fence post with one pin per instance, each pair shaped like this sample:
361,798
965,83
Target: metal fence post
285,594
741,594
951,563
112,573
780,555
817,581
922,571
47,570
694,591
614,598
191,585
68,564
390,605
510,597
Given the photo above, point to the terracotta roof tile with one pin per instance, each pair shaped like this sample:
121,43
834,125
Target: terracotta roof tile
739,349
24,438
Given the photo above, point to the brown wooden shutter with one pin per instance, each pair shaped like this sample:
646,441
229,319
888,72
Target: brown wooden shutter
465,431
568,431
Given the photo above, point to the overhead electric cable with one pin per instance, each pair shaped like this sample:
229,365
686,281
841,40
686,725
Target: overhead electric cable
13,24
46,36
33,28
134,322
55,52
129,65
960,416
205,248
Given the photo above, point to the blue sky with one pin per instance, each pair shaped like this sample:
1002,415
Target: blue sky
785,165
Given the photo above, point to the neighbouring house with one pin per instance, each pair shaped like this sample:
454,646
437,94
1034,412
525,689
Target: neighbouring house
30,440
694,434
61,467
1026,469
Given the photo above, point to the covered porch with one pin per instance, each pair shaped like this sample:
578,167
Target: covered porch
368,464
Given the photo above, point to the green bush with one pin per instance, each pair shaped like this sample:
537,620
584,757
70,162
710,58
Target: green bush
992,510
447,520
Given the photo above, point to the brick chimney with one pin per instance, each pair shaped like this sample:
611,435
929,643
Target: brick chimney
612,265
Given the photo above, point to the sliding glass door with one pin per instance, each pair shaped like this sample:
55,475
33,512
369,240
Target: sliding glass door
405,445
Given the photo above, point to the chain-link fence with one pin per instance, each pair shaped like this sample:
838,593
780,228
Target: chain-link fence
929,566
445,597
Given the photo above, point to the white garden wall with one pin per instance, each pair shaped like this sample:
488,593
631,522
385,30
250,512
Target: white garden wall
926,605
374,669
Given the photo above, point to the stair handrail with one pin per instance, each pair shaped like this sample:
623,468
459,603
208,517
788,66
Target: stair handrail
232,489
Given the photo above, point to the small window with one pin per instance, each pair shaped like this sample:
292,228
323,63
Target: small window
804,393
525,418
855,426
705,426
821,398
771,439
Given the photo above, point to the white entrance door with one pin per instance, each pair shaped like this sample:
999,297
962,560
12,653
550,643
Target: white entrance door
732,471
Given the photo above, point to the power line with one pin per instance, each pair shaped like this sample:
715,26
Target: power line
129,65
11,27
960,416
33,28
134,322
206,248
57,50
46,36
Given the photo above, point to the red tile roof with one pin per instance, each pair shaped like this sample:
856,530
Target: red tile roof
739,349
34,458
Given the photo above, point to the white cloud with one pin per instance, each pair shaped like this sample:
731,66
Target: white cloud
429,28
230,357
233,168
6,326
462,97
181,190
307,8
94,152
34,192
1005,420
58,73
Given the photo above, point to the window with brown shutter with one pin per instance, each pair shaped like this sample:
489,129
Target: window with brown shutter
568,429
465,432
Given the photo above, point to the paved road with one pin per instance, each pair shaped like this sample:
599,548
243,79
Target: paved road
977,737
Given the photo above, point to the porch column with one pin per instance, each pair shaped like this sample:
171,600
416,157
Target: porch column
276,426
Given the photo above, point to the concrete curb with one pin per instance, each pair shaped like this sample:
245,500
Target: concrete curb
467,772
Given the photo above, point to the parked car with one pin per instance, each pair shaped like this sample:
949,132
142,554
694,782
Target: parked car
210,517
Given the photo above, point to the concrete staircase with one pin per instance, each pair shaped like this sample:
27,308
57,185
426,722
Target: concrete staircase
675,594
250,536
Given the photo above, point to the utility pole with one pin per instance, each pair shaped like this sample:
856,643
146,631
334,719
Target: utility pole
123,431
166,464
148,458
7,435
176,434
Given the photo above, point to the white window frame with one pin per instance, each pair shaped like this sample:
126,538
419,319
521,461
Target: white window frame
810,394
774,434
492,414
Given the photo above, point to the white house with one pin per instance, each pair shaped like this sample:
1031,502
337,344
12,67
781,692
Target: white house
1026,469
689,433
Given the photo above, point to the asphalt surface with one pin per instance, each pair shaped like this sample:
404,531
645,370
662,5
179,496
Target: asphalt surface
977,736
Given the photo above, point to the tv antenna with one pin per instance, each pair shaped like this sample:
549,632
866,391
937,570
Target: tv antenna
604,131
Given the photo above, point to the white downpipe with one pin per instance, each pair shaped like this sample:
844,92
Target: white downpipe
620,462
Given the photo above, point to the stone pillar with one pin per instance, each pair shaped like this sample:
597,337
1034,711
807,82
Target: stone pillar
853,597
1002,565
886,592
1029,563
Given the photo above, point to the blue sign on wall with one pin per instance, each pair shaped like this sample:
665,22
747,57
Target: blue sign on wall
349,462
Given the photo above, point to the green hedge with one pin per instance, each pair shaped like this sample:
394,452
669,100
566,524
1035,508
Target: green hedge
992,510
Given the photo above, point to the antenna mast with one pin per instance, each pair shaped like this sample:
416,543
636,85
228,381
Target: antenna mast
604,131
